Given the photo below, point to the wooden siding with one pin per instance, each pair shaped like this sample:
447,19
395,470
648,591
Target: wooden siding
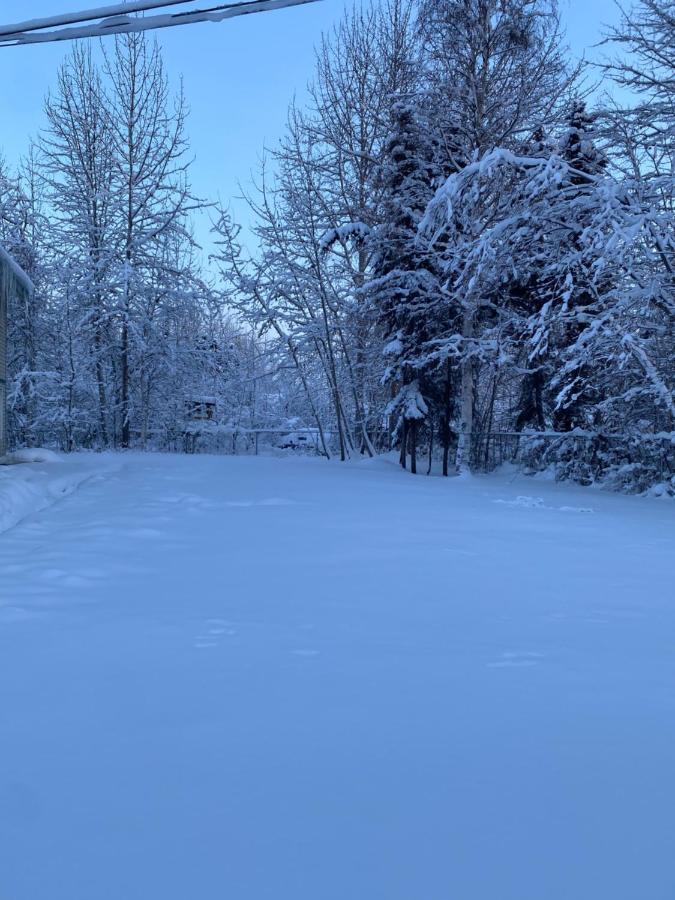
13,282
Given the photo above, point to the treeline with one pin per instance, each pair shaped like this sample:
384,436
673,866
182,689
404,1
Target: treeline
472,258
123,329
458,250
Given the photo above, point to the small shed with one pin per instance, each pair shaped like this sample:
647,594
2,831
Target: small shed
15,286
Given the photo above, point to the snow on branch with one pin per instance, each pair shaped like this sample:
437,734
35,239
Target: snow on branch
410,402
352,231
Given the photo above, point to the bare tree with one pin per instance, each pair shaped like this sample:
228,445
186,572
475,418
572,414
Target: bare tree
76,164
152,193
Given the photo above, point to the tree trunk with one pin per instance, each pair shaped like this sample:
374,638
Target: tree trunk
489,422
531,403
126,427
445,437
463,459
100,377
431,447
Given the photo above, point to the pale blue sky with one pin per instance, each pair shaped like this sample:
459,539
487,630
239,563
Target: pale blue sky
239,77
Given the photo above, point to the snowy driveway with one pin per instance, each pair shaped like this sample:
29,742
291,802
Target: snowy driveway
255,679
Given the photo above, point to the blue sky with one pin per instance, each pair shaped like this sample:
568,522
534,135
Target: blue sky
239,76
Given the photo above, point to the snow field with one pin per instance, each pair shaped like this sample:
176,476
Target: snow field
283,678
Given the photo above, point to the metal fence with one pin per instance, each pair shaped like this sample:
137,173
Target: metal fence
584,453
247,441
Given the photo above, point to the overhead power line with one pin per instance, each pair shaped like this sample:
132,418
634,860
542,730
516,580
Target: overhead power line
87,15
119,19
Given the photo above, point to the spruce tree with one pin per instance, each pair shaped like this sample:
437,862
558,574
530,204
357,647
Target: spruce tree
404,286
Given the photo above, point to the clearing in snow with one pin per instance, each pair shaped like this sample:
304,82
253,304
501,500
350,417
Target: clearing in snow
283,679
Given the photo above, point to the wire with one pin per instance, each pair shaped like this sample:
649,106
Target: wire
86,15
125,24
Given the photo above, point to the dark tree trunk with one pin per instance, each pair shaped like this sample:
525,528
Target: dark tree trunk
404,443
531,402
100,379
445,422
126,424
431,447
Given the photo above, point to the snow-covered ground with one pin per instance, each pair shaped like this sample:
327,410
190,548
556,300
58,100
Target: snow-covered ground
25,489
283,679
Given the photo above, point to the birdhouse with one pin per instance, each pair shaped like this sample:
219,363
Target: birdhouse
200,409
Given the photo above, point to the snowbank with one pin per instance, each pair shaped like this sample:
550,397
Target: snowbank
32,480
32,455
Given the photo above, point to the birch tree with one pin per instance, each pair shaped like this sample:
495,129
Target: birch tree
151,187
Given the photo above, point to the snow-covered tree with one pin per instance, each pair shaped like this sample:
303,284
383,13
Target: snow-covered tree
77,168
498,74
152,196
581,240
403,288
316,206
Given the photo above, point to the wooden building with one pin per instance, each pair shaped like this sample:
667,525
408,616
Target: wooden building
15,285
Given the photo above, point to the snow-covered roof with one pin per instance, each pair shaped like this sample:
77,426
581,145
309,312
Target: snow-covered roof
19,273
201,399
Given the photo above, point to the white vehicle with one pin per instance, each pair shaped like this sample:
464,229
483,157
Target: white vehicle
302,439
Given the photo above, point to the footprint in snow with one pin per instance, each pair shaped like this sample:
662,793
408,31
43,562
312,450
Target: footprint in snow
220,626
16,569
247,504
145,533
538,503
11,615
213,631
53,574
192,501
525,502
99,532
515,660
66,579
604,616
75,581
